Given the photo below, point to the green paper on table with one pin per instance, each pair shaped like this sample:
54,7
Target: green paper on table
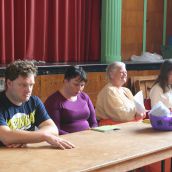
105,128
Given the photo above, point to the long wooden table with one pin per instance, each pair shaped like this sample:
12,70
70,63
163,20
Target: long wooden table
136,144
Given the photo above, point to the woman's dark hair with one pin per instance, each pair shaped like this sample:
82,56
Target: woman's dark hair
162,79
75,71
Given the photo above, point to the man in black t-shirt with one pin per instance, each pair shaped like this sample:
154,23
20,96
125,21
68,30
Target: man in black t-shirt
20,112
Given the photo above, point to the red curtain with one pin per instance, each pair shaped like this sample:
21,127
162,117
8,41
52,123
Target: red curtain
50,30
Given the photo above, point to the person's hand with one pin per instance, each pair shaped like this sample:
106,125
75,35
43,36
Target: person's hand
58,142
140,116
16,145
143,115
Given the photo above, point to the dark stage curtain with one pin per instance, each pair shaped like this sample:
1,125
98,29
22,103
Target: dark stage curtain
50,30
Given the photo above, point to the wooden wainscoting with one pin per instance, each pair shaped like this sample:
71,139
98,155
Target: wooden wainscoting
47,84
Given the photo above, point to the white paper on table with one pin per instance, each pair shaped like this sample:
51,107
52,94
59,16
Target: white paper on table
159,109
139,102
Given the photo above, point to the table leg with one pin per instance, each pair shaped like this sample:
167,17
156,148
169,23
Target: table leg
163,166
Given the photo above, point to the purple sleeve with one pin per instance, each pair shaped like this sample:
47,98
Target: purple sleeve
52,105
92,119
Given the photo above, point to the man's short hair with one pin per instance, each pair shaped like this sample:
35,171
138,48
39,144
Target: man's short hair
20,68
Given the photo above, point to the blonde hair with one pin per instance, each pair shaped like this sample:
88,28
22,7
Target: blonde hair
112,67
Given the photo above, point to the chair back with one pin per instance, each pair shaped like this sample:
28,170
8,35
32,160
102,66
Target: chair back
143,83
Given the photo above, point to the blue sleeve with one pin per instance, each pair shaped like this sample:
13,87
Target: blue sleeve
2,122
41,113
2,119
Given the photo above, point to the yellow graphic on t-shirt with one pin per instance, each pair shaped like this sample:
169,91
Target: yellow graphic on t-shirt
21,121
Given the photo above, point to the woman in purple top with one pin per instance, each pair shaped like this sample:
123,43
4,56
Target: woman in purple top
70,108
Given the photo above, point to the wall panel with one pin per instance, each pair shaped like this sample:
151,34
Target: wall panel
48,84
132,26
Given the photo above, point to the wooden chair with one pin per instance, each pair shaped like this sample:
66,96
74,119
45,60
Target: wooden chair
143,83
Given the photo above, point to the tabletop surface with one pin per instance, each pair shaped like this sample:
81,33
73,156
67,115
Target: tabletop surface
93,150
